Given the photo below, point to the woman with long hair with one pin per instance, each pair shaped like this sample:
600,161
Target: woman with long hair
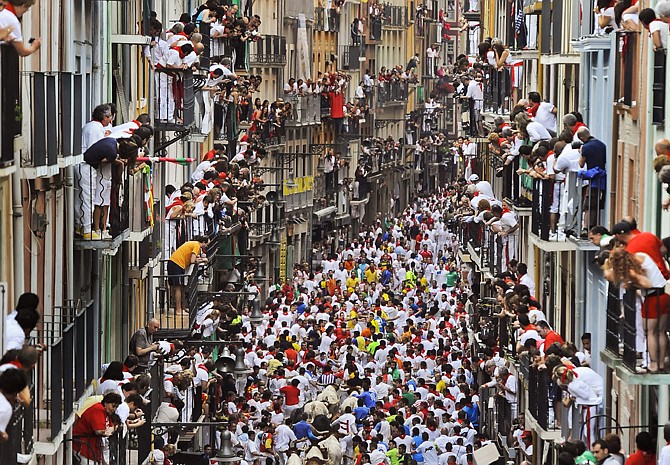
639,273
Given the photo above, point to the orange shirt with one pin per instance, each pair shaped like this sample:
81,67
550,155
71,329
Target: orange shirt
182,256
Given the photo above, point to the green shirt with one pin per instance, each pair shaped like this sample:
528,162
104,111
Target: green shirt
373,346
452,277
410,397
393,456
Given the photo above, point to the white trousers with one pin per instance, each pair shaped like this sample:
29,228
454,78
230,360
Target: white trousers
103,186
165,97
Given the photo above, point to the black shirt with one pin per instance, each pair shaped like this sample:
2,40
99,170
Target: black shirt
104,149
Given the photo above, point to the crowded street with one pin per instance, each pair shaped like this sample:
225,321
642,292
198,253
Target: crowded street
332,232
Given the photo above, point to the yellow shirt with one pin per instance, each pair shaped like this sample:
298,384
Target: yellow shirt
182,256
353,282
371,276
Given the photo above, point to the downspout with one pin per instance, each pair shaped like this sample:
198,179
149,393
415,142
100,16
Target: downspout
67,66
19,237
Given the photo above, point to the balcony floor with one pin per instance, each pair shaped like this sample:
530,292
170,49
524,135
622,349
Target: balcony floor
109,247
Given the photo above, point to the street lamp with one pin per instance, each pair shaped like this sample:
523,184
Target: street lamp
256,316
273,243
226,453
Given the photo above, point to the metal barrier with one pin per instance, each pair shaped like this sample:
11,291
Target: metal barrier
613,341
538,392
497,90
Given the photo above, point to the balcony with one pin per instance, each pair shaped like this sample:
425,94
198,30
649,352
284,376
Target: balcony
376,23
621,338
395,17
233,48
351,55
575,214
300,194
326,19
305,110
486,249
392,93
89,191
268,51
538,403
141,214
67,366
497,95
175,101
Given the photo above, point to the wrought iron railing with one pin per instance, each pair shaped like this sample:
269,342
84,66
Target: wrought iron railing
269,50
326,19
395,16
175,100
390,92
304,110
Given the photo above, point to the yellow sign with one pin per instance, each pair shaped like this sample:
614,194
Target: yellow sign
283,252
303,184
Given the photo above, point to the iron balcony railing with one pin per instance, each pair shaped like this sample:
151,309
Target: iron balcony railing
579,206
305,110
497,91
395,16
622,338
94,189
538,383
391,92
326,19
175,99
350,56
233,48
269,50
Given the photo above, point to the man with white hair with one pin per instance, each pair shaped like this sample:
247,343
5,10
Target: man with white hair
663,10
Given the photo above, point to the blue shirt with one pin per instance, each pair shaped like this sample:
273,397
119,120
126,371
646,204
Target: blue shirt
360,413
369,398
302,430
473,414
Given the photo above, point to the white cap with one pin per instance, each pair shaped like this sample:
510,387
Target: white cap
473,178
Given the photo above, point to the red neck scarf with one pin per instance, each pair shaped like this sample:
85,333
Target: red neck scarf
9,7
532,111
182,55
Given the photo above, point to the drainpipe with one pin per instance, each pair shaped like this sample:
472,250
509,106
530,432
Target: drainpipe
19,246
67,66
69,230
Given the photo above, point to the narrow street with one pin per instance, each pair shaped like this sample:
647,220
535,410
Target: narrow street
334,232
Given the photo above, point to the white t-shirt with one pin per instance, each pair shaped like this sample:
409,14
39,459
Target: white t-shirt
6,411
545,117
537,132
9,19
91,133
662,28
568,160
609,12
14,336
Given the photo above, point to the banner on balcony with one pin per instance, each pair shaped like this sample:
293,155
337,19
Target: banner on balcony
302,46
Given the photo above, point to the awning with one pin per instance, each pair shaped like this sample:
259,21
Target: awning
324,212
